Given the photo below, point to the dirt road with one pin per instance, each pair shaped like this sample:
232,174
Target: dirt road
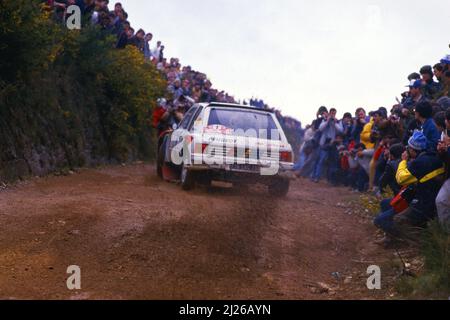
136,237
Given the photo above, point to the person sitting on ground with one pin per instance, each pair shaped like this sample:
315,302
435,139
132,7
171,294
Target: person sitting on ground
388,178
359,162
419,173
335,175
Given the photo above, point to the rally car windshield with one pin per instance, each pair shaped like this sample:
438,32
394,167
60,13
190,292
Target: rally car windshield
241,122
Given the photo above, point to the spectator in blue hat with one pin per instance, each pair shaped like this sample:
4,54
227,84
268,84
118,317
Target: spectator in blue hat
446,60
415,94
415,97
420,167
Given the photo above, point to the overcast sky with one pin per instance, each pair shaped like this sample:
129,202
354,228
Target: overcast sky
298,55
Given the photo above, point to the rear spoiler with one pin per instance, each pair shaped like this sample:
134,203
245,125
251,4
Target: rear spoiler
238,106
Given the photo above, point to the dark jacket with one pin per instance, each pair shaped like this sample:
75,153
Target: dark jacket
432,89
122,41
445,157
425,173
357,129
388,177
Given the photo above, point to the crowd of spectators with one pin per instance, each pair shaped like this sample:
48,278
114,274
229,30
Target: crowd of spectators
185,85
404,151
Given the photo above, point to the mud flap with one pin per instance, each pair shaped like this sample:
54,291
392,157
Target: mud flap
169,171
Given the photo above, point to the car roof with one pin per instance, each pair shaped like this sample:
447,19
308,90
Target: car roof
233,105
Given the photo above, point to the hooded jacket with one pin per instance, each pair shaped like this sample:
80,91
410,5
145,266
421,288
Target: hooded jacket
365,135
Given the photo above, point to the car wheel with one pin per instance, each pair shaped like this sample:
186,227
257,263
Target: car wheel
279,188
187,178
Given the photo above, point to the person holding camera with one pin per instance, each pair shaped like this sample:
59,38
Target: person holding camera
328,129
360,121
165,116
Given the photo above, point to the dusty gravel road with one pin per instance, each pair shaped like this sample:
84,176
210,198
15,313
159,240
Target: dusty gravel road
136,237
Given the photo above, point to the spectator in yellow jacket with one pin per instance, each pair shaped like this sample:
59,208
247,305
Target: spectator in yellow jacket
365,136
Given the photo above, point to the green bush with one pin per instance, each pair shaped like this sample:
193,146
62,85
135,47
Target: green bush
69,98
434,279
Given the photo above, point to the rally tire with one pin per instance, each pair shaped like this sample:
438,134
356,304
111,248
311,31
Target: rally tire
279,188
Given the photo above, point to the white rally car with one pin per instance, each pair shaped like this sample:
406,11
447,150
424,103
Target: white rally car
231,143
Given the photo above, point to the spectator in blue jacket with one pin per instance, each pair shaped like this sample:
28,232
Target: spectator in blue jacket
424,115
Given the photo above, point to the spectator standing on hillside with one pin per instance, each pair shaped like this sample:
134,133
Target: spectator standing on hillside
119,22
138,41
361,119
367,134
156,53
321,115
430,88
347,126
100,6
123,37
147,50
328,128
117,9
